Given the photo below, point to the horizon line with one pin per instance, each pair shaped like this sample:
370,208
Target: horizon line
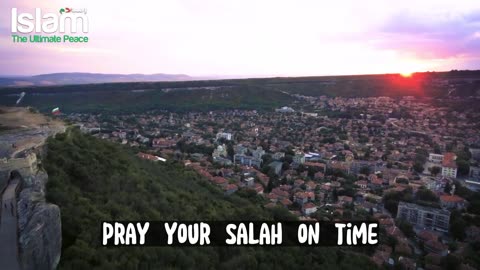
236,75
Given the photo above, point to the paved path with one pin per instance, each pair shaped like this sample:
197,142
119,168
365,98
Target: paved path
8,229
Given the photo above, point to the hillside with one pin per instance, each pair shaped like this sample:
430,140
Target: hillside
86,78
93,180
260,94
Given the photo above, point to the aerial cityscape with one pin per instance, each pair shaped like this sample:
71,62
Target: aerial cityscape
409,162
212,134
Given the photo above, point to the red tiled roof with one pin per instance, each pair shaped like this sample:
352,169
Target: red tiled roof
345,198
314,164
219,180
451,199
311,184
286,202
378,181
299,182
146,156
230,187
436,245
427,236
309,205
449,160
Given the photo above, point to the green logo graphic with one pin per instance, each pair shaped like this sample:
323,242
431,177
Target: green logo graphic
65,10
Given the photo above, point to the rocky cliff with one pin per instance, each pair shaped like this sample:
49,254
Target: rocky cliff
22,143
40,232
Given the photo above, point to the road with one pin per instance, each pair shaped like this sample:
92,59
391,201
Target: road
8,229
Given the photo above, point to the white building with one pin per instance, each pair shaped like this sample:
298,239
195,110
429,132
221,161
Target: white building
309,208
435,158
224,135
449,172
285,110
299,158
258,153
220,151
449,166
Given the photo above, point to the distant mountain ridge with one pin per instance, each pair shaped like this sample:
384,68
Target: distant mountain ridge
88,78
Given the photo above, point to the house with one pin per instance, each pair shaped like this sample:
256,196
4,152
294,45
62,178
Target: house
452,202
424,217
247,160
276,166
280,193
345,199
285,109
321,167
339,166
426,236
258,153
449,166
263,178
298,183
240,149
278,155
299,158
310,185
362,184
220,151
475,173
286,202
230,189
163,143
436,247
272,197
150,157
318,175
435,158
309,208
258,188
219,181
303,197
376,183
224,135
249,181
222,161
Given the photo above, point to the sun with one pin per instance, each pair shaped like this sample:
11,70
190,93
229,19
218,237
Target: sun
406,74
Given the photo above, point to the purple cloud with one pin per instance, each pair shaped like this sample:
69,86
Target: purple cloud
440,38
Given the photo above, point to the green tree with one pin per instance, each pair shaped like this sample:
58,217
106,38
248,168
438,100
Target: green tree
463,167
457,225
435,170
365,170
418,167
406,228
447,188
426,195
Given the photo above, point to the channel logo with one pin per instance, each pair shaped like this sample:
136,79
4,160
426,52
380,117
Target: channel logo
65,10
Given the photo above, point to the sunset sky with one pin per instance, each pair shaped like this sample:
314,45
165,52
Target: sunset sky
254,37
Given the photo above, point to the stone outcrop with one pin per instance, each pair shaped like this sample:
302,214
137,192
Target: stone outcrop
26,165
40,234
21,150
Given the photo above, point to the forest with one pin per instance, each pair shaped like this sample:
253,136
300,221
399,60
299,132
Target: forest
93,181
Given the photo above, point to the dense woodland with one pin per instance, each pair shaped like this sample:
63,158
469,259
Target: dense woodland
94,180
